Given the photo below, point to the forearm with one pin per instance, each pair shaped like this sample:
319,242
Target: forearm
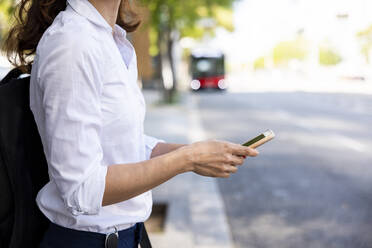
210,158
124,181
164,148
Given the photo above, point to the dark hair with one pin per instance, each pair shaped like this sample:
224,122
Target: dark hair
33,17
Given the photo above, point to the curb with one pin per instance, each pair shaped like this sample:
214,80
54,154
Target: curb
196,214
209,222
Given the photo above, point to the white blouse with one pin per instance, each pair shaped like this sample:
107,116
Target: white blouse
89,111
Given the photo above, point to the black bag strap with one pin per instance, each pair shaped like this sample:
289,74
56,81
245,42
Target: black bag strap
13,74
145,241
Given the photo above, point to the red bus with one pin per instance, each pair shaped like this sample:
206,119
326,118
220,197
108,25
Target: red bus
208,70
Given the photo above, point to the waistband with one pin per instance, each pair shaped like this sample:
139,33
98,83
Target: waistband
135,230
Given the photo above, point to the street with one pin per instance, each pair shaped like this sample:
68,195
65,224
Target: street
309,187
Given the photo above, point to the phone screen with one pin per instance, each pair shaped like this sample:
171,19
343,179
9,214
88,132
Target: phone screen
254,140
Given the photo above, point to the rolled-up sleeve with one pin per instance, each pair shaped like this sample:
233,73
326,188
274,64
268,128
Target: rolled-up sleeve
150,143
71,90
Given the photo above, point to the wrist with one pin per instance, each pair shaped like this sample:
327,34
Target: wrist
184,159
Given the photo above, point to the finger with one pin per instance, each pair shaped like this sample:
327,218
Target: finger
240,164
252,152
221,174
236,160
224,158
224,175
244,151
228,158
230,169
219,168
224,170
214,171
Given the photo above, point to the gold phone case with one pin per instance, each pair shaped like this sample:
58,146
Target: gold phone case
260,139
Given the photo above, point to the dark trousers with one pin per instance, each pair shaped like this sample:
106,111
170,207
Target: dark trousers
61,237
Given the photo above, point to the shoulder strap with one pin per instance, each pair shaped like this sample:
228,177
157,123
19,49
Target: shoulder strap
13,74
145,241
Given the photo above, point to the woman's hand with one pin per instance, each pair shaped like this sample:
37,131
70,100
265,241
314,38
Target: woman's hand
216,158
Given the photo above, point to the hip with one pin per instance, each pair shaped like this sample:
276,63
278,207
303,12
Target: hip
60,237
120,215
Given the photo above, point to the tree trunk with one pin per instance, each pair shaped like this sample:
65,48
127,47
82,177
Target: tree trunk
172,62
166,64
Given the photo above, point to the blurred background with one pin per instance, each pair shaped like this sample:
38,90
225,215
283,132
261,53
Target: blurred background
229,70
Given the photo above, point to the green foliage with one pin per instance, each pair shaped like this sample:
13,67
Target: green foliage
185,16
153,35
224,17
178,14
259,63
288,50
328,56
193,31
365,36
6,11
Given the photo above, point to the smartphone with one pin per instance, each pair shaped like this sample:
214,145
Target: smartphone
260,139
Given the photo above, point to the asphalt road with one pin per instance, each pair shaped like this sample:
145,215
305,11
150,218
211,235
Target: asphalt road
312,185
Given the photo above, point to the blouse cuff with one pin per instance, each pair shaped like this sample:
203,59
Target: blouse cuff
87,199
150,143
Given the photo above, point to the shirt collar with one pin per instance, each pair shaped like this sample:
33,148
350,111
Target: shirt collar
125,47
86,9
119,31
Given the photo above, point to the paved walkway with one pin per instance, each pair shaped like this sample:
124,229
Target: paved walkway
196,215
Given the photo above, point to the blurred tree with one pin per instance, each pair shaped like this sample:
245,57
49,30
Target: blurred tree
365,36
173,19
288,50
259,63
6,11
327,56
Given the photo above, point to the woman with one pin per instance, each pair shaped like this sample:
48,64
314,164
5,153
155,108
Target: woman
89,112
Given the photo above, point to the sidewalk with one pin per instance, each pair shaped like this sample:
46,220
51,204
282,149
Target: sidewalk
196,215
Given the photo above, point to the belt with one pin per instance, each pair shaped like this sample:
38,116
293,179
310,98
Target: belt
103,240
